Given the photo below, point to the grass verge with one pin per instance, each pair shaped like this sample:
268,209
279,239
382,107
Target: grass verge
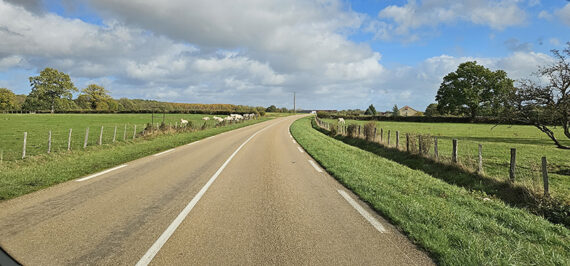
497,141
457,226
38,172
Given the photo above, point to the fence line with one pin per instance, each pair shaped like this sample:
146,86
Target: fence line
424,151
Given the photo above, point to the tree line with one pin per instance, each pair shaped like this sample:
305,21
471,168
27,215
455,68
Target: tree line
52,91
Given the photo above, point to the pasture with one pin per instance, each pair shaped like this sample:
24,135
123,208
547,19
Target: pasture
13,126
531,145
20,177
458,226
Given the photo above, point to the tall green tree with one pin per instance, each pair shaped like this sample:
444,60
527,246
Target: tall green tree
50,86
431,110
371,110
271,109
395,110
97,97
473,88
7,99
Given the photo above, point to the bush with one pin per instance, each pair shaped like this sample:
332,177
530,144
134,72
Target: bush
369,131
352,130
333,131
163,126
426,143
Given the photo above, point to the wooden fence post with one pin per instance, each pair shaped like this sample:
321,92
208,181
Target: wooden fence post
388,138
480,168
374,134
454,154
86,138
101,136
545,177
397,139
125,133
381,135
49,142
69,140
115,134
135,132
24,148
513,164
359,131
435,149
407,142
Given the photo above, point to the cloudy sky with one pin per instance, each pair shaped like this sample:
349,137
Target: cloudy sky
335,54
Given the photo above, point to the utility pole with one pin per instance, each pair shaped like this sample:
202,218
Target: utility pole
294,108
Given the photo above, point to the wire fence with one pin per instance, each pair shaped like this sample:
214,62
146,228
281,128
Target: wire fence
12,145
491,159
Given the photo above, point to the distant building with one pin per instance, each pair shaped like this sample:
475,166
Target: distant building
408,111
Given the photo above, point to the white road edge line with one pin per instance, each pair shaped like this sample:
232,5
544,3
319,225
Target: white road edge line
161,153
100,173
363,212
155,248
315,166
294,141
300,150
192,143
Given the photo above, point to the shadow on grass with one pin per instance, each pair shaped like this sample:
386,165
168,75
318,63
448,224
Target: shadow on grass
512,194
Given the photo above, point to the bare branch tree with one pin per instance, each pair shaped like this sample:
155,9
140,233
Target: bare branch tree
545,105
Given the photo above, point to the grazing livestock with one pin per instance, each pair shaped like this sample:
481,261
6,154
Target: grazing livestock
236,116
341,121
205,118
219,119
183,122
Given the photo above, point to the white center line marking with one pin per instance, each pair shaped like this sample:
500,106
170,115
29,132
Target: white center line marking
300,150
363,212
100,173
155,248
192,143
161,153
315,166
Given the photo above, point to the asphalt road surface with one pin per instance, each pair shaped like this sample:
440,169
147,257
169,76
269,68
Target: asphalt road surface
251,196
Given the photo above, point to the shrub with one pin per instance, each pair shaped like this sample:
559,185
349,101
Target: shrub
163,126
352,130
369,131
426,143
333,131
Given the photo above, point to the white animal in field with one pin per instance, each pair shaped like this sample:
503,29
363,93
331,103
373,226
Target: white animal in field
228,118
205,118
236,116
183,122
341,121
216,118
219,119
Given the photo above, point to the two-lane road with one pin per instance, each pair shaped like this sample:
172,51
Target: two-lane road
249,196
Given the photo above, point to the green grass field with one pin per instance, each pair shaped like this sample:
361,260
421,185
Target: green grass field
13,126
20,177
455,225
531,145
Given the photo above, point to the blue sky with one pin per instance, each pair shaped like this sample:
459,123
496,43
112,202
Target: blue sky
335,54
